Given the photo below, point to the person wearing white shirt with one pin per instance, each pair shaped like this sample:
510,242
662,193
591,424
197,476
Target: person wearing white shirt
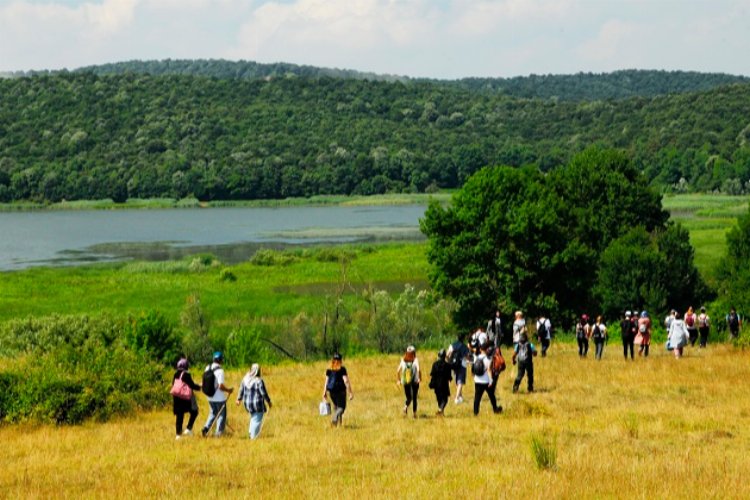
218,400
544,333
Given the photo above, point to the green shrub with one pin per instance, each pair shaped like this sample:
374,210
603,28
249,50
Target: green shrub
153,334
268,257
244,347
227,275
69,385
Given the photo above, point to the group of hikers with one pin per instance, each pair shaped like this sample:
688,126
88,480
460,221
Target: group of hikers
482,355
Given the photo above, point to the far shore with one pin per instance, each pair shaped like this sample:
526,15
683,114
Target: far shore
165,203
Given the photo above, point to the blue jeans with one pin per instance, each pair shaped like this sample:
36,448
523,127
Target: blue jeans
256,421
220,417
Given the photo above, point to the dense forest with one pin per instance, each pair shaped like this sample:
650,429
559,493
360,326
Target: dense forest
578,87
84,136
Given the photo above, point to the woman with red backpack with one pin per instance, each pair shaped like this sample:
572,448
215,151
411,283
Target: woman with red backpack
691,323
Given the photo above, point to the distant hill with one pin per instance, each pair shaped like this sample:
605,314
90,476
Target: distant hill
83,136
578,87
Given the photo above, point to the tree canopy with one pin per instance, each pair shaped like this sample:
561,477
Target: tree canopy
549,243
82,136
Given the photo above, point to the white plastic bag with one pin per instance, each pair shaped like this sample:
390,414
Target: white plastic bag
324,408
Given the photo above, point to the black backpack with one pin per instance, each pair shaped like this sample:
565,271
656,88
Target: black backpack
457,350
734,321
209,382
335,381
542,330
477,367
597,332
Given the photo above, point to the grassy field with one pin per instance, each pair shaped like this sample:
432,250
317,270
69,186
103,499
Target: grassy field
653,428
259,291
708,218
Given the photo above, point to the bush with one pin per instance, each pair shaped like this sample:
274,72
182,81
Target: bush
267,257
227,275
153,334
244,347
72,383
43,334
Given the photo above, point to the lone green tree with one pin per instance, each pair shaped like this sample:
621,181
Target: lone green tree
518,238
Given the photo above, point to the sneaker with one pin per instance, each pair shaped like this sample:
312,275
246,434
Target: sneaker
499,409
459,400
187,432
177,437
405,410
204,432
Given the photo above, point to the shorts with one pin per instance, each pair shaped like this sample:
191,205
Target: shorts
460,373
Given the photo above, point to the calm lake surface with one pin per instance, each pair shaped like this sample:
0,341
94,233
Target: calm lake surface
56,238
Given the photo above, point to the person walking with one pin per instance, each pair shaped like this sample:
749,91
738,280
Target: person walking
691,322
458,354
254,395
704,325
440,378
544,333
480,368
213,387
583,332
495,329
599,334
627,331
337,386
182,406
408,376
734,323
519,327
643,337
668,320
523,354
677,336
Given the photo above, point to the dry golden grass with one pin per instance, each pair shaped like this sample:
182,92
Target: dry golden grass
654,428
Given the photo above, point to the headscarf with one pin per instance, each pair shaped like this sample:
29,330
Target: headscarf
182,364
251,375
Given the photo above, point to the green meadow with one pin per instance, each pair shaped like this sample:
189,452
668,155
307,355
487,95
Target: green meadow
708,218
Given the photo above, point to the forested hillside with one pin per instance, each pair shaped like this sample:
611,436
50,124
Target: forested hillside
577,87
78,136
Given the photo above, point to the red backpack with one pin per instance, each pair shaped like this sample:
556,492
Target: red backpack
498,363
690,320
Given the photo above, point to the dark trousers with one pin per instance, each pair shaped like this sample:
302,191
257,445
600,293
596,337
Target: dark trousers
693,333
644,350
479,390
704,335
583,346
599,344
442,396
628,343
527,367
545,345
339,406
180,418
411,391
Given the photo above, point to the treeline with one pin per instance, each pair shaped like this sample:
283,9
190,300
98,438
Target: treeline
82,136
576,87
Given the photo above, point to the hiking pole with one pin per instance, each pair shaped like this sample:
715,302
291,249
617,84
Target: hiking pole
216,418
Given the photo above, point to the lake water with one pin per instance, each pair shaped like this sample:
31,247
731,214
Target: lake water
57,238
